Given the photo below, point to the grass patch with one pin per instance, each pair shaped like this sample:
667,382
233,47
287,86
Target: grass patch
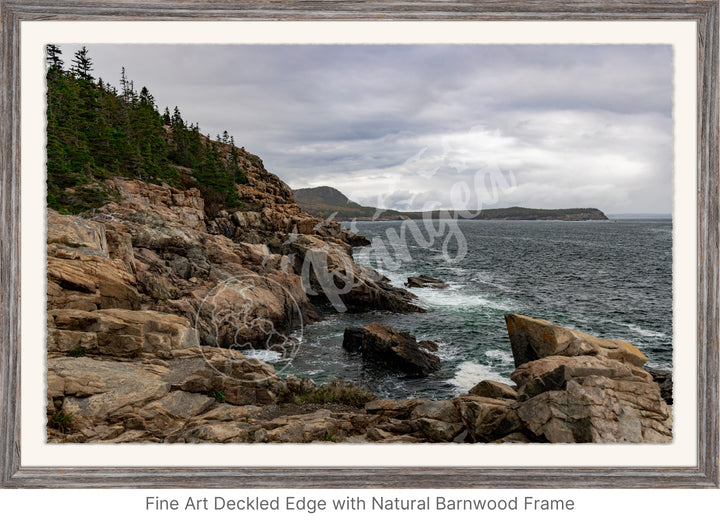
219,396
60,421
77,352
336,391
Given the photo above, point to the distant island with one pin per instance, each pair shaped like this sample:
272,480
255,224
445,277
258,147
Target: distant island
325,201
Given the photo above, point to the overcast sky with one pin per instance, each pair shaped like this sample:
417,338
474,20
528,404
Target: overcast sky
420,126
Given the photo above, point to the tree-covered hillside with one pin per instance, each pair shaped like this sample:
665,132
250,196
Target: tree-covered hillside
96,131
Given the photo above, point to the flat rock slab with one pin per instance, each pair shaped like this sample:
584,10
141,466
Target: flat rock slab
112,386
178,404
118,332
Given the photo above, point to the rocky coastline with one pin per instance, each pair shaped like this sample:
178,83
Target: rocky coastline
151,303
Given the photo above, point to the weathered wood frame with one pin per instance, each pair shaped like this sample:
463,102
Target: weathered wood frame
704,474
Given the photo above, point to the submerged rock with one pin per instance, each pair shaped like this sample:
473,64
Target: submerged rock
392,348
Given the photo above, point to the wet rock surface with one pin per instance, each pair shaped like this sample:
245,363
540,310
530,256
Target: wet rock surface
391,348
424,281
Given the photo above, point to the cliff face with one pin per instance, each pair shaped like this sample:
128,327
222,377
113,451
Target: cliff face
156,249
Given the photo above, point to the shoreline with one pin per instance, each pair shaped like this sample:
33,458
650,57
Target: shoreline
127,364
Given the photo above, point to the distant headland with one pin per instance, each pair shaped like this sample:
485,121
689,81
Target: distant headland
325,201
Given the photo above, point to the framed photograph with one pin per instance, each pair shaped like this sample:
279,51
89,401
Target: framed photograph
270,246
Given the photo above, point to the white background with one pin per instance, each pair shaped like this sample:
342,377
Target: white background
111,507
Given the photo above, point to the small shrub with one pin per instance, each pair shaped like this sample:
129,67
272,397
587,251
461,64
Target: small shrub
77,352
336,391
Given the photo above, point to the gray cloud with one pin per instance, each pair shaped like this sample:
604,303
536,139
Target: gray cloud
576,125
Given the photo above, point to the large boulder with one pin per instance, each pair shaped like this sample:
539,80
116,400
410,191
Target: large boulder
537,338
230,376
488,419
392,348
494,389
599,409
576,388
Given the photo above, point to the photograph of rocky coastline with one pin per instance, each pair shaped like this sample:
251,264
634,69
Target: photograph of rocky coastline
194,297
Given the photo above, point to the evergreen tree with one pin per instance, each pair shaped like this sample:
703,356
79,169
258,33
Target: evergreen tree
52,56
95,133
82,65
124,85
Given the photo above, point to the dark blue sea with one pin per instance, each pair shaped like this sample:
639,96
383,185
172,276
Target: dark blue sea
611,278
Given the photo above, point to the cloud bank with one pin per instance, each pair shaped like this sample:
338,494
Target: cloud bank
410,126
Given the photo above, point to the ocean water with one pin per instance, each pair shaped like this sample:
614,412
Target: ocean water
611,278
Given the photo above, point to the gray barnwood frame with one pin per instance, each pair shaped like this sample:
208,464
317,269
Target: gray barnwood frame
703,12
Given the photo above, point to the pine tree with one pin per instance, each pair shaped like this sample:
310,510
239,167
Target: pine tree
95,133
82,65
124,85
52,56
146,98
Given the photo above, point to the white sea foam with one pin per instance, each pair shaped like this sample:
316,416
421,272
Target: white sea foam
500,356
455,297
644,331
470,374
446,352
269,356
